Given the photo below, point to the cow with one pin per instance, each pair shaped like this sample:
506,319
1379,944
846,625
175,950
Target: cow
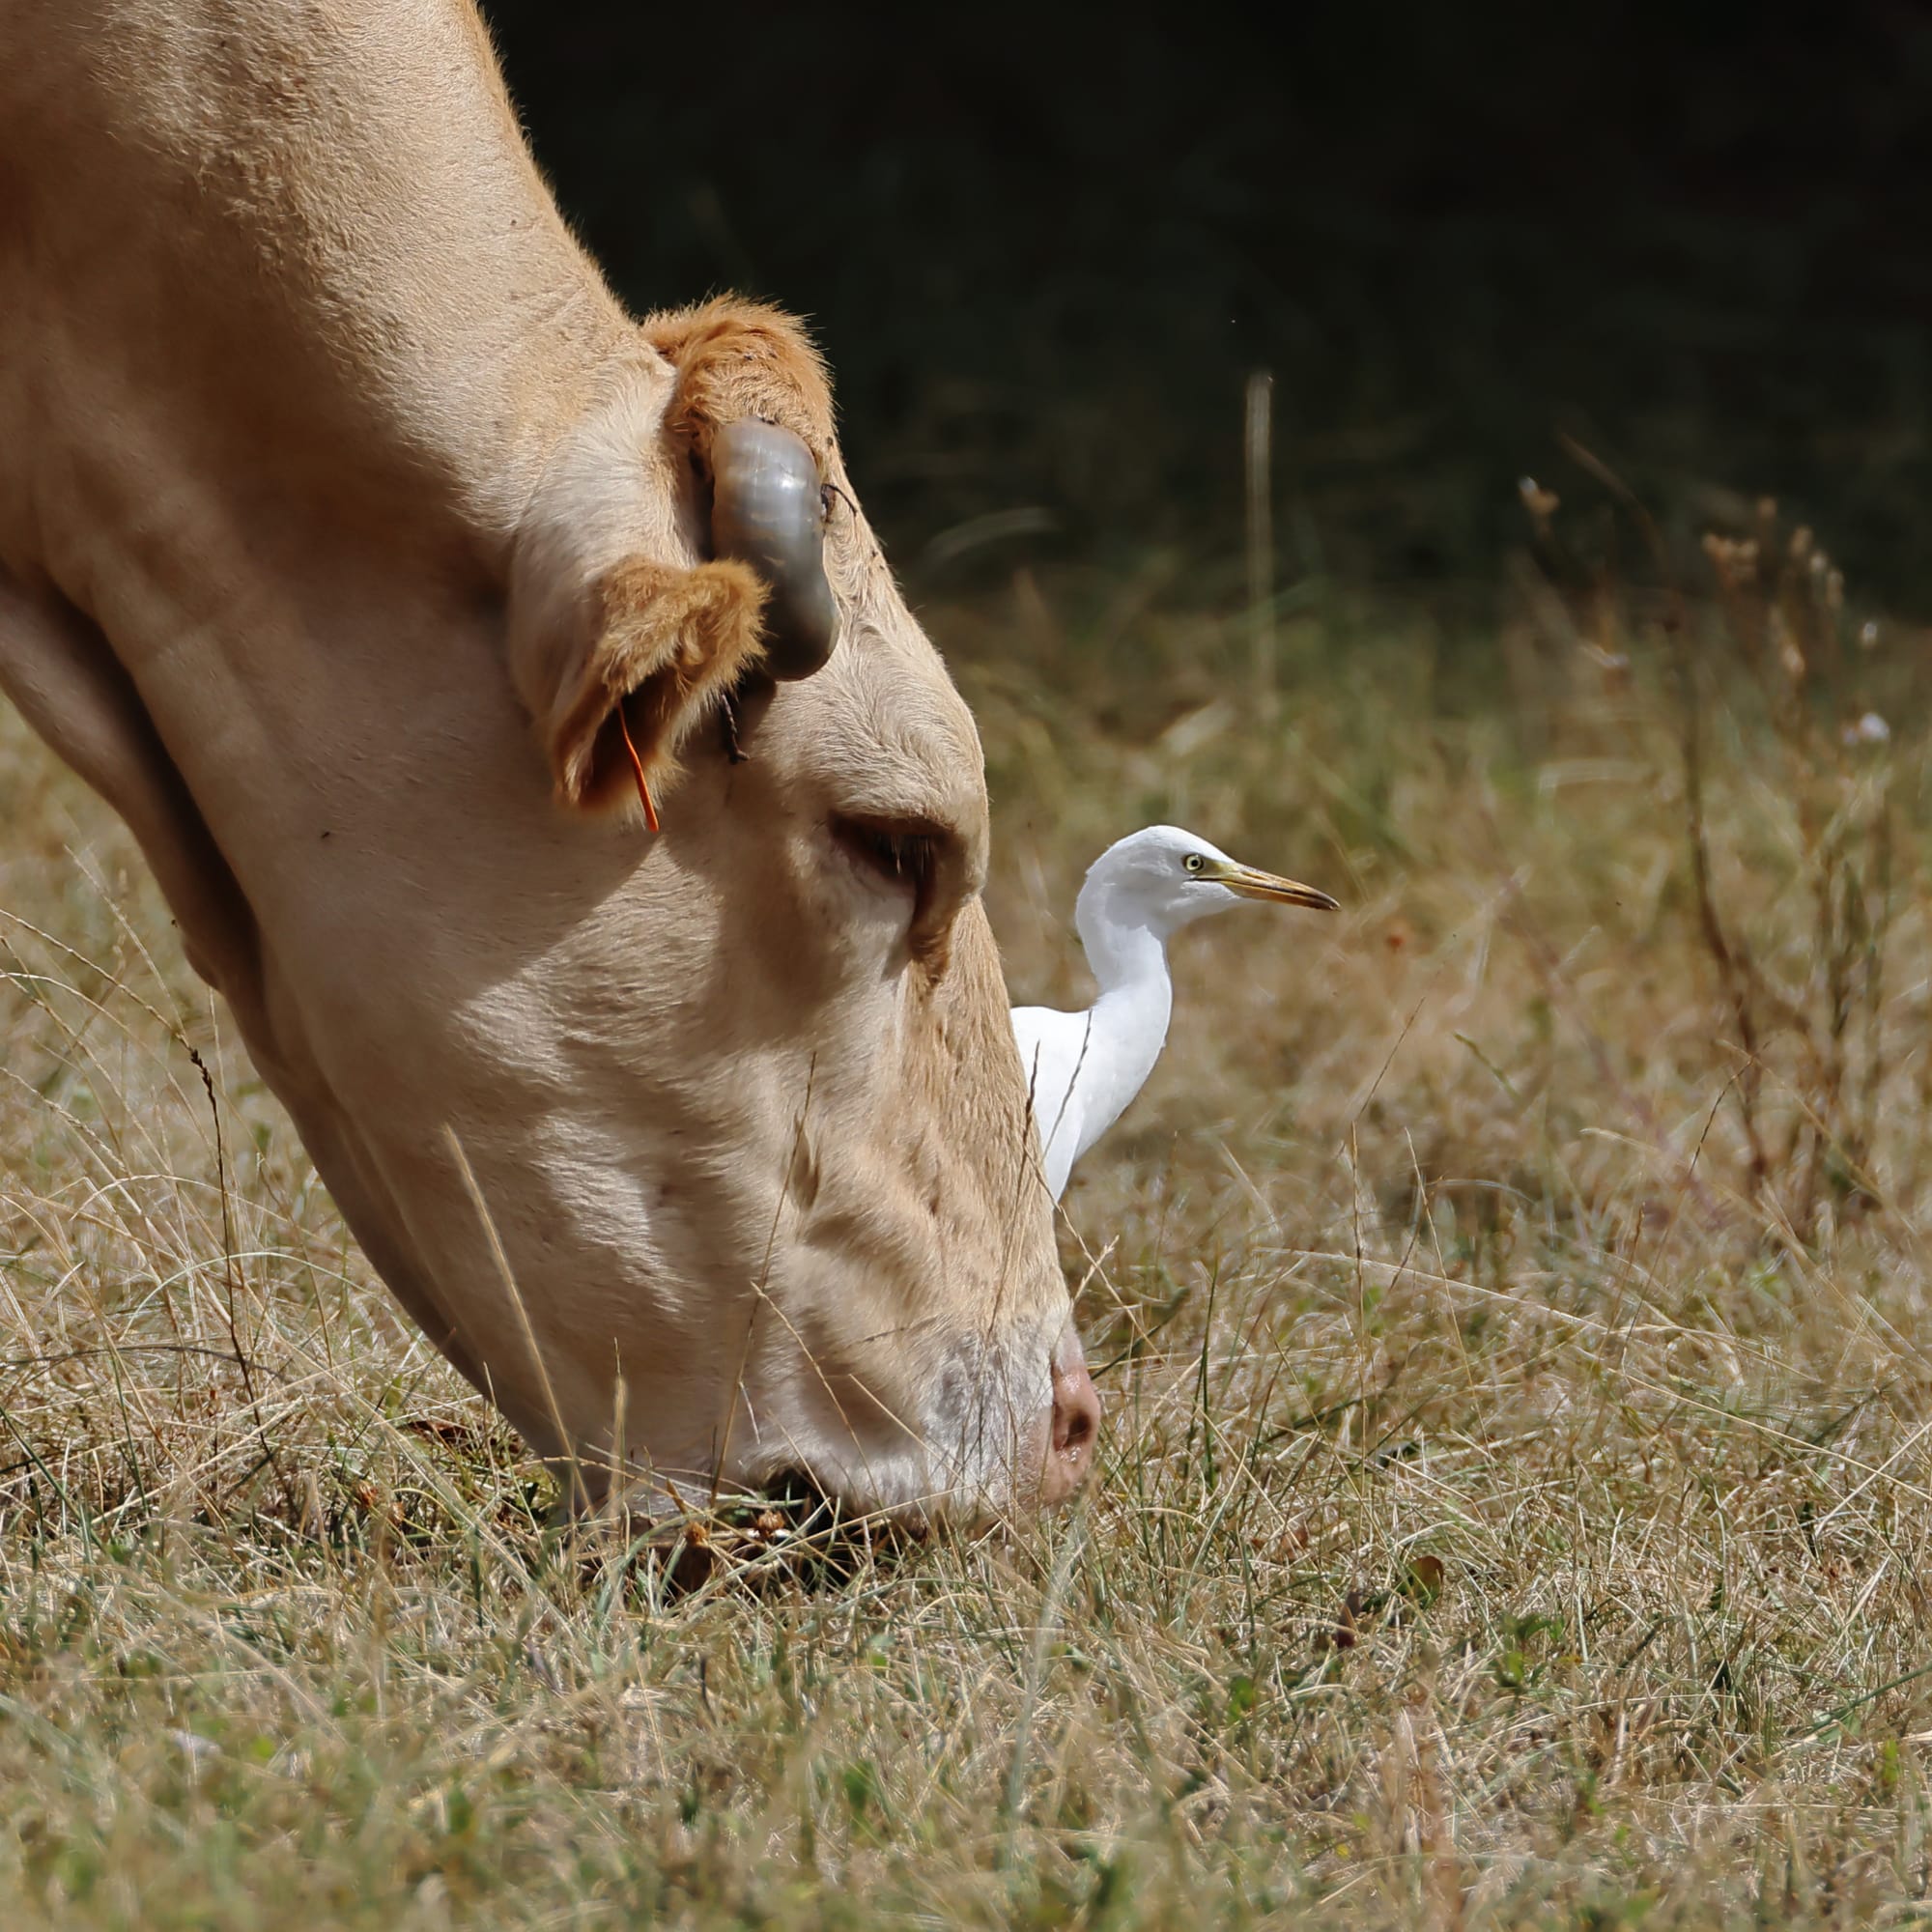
526,732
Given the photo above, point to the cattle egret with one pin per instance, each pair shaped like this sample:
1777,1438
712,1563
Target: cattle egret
1083,1068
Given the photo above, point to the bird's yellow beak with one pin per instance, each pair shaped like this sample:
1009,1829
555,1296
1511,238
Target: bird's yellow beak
1253,885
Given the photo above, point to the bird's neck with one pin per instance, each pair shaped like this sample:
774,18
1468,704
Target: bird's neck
1122,952
1128,1025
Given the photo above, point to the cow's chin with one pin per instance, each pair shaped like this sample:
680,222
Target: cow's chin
970,1450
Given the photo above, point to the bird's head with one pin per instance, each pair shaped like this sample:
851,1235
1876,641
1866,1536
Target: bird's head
1164,878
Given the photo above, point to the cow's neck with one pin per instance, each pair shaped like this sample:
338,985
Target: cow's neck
330,233
292,333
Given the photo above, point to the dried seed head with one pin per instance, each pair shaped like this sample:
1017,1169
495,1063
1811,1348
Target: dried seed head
1868,636
1767,509
1801,542
1834,590
1788,653
1722,553
1541,503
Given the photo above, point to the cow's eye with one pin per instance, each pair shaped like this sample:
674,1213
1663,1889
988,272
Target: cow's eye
902,855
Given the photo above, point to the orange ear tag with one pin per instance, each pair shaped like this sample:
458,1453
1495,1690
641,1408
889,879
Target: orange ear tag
638,772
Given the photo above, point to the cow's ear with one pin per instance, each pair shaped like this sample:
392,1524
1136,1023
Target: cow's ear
611,633
608,645
630,667
738,359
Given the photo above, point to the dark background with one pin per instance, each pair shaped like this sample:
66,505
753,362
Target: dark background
1044,253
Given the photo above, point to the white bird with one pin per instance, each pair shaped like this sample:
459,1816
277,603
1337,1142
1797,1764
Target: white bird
1082,1070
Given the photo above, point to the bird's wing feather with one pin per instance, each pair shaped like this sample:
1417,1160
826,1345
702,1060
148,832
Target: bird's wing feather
1052,1046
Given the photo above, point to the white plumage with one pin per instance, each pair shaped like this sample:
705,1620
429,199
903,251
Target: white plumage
1083,1068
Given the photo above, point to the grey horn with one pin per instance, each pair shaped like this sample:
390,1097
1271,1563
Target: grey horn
768,509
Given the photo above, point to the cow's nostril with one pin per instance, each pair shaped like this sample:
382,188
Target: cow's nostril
1076,1423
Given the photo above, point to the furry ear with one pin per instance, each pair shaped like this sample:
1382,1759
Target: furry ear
606,644
605,639
736,358
660,647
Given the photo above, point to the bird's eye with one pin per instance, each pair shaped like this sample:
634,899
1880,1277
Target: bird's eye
1194,862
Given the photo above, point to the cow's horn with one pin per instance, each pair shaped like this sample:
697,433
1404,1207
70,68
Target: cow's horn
768,509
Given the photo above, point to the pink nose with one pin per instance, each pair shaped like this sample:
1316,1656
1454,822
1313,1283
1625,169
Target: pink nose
1076,1426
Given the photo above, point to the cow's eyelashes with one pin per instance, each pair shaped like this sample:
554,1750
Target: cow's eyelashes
902,855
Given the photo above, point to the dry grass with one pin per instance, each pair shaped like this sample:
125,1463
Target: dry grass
1514,1509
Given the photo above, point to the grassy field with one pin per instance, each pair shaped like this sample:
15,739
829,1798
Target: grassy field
1507,1297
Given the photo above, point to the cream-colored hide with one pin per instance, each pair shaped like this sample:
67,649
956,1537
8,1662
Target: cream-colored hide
340,505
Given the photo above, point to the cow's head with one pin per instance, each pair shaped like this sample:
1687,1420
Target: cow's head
376,566
763,1176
